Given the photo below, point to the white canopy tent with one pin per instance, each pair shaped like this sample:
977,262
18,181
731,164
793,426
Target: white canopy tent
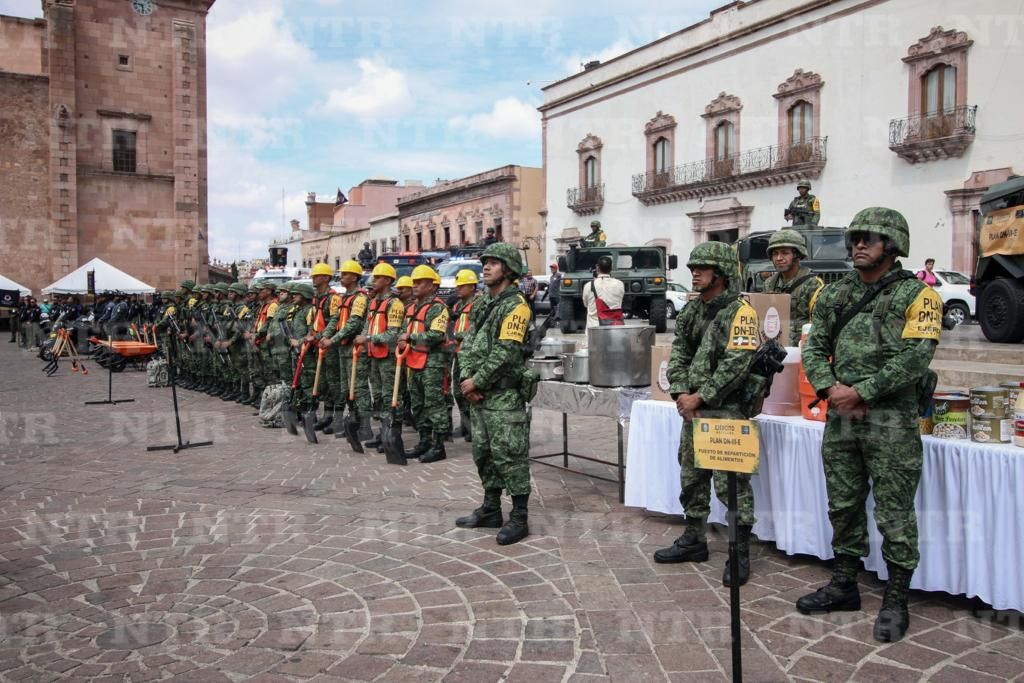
8,283
108,278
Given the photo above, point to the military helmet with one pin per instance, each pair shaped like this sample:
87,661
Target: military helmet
425,272
466,277
384,270
404,281
285,287
237,288
352,267
717,255
303,289
265,284
886,222
507,254
321,269
188,284
788,238
595,224
220,288
804,182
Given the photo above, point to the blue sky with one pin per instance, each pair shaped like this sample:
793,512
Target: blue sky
310,95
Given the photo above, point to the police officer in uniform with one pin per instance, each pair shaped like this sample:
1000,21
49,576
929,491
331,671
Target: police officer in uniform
871,366
805,209
717,337
785,249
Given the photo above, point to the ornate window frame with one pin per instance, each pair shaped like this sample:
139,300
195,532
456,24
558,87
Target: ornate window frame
802,86
724,108
589,148
587,198
661,125
938,47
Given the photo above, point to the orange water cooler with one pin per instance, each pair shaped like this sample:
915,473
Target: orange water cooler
807,393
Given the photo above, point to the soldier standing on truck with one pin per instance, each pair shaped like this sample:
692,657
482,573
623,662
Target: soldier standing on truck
785,249
596,238
805,209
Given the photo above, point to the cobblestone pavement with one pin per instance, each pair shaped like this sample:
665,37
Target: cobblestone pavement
263,558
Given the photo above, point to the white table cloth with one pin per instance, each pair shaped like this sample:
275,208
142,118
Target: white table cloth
970,502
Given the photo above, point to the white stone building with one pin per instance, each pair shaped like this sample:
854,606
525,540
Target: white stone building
703,134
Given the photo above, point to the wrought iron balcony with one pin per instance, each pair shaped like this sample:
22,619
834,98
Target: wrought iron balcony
585,200
762,167
936,135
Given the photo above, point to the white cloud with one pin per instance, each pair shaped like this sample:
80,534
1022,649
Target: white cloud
574,63
509,118
380,91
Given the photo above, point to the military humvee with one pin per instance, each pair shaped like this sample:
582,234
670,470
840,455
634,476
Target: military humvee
827,256
998,280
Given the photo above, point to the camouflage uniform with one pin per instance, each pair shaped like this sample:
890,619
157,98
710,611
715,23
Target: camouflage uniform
302,325
804,211
384,323
277,353
266,342
343,328
883,352
801,300
463,313
596,238
429,385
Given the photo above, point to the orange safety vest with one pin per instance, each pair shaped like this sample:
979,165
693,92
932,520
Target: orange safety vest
416,356
320,321
261,317
346,311
462,322
378,325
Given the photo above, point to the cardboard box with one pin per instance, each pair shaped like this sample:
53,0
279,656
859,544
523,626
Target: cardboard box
773,314
660,354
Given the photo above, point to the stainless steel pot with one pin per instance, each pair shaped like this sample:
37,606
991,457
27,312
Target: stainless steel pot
554,347
620,355
546,367
576,367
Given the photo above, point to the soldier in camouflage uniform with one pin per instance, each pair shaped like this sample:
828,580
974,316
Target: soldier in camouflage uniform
263,339
785,249
186,370
220,315
424,338
339,337
492,367
235,343
251,358
403,290
279,355
805,209
717,336
327,304
596,238
384,322
198,338
869,370
465,308
303,336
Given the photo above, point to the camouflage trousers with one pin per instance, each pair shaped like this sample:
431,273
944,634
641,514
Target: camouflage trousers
501,449
428,400
891,457
696,483
382,385
362,405
465,409
277,367
302,397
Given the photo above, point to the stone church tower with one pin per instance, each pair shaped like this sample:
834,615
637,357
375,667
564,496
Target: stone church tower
103,116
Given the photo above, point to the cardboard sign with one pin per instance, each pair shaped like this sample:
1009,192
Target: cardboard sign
772,314
1002,232
660,353
727,445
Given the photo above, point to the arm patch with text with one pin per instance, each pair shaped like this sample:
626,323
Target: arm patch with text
816,205
396,313
333,304
515,325
924,316
359,306
440,323
744,330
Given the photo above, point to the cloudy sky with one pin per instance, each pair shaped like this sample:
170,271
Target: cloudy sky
312,95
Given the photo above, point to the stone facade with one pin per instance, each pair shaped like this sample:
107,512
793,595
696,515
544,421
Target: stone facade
108,75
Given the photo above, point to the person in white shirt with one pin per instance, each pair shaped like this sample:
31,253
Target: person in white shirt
603,296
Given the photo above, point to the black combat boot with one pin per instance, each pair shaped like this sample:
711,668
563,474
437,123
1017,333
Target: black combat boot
743,553
692,546
365,432
436,451
517,527
377,438
422,447
324,421
840,595
487,516
256,398
243,395
894,617
334,416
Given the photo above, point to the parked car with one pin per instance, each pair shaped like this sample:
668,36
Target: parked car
954,288
676,297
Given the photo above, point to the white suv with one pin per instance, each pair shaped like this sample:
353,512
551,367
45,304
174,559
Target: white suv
954,289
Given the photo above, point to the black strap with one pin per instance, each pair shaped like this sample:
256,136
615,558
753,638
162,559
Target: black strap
801,280
713,311
870,294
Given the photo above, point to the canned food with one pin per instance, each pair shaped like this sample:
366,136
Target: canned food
1012,391
991,429
949,415
988,401
927,425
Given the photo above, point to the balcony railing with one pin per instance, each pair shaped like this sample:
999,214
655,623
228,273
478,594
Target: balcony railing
762,167
585,200
935,135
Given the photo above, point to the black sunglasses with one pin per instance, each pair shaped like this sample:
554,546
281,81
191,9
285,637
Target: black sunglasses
869,239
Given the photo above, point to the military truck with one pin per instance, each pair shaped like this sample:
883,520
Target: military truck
998,280
641,269
827,256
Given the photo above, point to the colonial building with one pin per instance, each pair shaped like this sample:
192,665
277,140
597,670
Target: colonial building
458,212
703,134
103,127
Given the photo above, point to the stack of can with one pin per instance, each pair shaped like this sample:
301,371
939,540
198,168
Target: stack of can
991,421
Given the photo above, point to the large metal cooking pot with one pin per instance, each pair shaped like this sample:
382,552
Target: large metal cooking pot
546,367
620,355
554,347
576,367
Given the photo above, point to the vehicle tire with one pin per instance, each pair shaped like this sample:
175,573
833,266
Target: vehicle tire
118,364
1001,311
670,309
658,310
959,312
567,315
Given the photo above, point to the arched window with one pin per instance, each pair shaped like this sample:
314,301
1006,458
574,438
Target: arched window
662,161
801,123
590,171
938,90
724,141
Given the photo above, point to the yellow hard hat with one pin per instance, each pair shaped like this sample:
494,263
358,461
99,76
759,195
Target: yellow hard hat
425,272
466,277
351,267
321,269
384,270
404,281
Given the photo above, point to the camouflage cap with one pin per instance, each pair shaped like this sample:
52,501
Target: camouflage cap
886,222
507,254
717,255
304,290
788,238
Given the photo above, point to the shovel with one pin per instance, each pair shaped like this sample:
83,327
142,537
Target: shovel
288,411
309,419
349,427
391,427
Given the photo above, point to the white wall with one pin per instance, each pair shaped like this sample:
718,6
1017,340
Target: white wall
865,85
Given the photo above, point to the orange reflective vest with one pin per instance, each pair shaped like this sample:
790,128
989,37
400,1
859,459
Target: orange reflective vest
378,319
416,356
261,317
462,322
320,321
346,310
